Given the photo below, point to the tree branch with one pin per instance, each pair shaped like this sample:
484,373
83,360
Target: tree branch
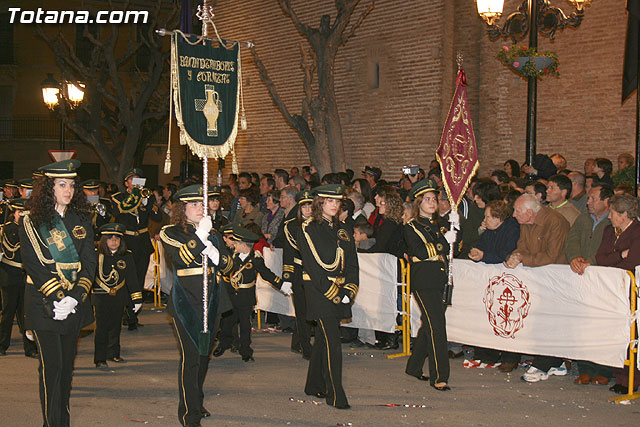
345,37
304,29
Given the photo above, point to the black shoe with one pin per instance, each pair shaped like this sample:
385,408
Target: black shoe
306,356
204,413
320,394
117,359
345,406
194,425
33,355
248,359
219,351
296,350
102,365
287,330
621,389
132,327
420,377
441,388
3,352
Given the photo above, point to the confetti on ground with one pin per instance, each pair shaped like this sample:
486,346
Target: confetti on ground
360,354
402,405
344,424
293,399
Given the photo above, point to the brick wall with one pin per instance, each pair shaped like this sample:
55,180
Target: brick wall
415,43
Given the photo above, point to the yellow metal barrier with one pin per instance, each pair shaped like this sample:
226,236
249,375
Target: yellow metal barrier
633,349
405,297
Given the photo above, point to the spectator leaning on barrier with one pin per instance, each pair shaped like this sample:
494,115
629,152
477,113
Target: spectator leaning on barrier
620,248
583,242
499,239
543,233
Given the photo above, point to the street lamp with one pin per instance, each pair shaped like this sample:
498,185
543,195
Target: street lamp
65,94
532,16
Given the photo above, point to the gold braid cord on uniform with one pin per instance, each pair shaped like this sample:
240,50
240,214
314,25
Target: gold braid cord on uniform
431,249
113,276
288,235
34,239
339,260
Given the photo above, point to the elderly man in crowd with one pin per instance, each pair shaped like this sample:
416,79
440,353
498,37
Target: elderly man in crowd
543,234
583,242
558,191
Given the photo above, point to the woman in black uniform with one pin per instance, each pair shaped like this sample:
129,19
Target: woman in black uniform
428,249
60,260
330,278
186,242
215,211
116,278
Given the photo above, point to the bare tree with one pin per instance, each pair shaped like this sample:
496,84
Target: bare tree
124,105
318,124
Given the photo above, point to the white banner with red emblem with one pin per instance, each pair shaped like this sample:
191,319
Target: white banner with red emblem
546,310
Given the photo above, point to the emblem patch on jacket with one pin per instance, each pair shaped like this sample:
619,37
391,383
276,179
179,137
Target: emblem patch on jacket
79,232
342,233
121,264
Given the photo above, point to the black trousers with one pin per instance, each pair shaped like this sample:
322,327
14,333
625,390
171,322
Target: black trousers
142,264
325,367
241,315
13,306
192,372
302,333
57,354
432,337
108,310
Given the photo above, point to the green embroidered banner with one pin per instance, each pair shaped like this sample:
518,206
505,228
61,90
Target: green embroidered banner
204,80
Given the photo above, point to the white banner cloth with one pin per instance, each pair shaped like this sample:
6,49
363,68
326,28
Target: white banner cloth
166,276
269,298
375,305
546,310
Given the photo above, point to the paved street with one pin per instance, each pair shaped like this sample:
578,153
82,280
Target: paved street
144,390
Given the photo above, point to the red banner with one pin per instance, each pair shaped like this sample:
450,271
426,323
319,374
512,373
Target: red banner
457,152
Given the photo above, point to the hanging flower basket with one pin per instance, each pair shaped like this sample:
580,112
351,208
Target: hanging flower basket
528,62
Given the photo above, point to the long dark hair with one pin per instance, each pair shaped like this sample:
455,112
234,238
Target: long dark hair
178,214
104,249
316,208
42,203
365,189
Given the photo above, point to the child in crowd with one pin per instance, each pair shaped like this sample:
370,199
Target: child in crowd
363,235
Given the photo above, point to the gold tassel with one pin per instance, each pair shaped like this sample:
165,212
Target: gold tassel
234,163
167,160
243,120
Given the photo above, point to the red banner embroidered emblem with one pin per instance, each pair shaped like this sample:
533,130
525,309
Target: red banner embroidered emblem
457,152
507,301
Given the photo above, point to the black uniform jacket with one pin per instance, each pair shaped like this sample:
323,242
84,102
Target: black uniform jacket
44,284
184,251
116,277
428,252
11,263
330,265
137,223
241,285
291,259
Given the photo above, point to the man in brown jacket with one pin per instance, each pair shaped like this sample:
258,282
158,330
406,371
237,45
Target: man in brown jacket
543,233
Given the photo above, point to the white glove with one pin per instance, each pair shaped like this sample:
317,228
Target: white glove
137,306
212,252
69,303
59,315
204,227
346,300
145,201
454,219
29,335
60,310
286,288
450,236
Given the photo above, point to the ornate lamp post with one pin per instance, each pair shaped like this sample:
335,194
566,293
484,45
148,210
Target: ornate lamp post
64,94
532,16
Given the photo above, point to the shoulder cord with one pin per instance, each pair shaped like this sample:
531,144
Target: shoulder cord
35,241
113,275
339,260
